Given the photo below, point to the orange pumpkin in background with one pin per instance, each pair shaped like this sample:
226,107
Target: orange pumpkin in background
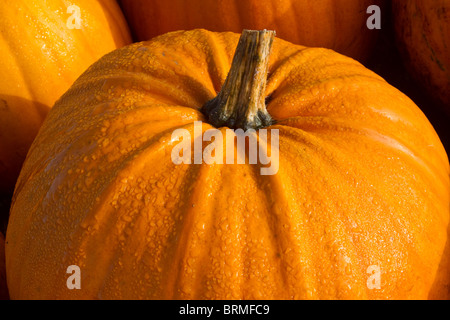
43,52
363,181
334,24
423,35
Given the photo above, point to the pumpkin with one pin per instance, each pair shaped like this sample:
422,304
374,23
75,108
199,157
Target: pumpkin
335,24
3,286
43,52
423,36
358,208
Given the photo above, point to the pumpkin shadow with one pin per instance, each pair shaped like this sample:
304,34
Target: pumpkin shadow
7,100
21,121
441,286
5,205
4,295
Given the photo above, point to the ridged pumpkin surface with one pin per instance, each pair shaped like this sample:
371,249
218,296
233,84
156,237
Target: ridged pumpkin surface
363,181
423,34
40,59
335,24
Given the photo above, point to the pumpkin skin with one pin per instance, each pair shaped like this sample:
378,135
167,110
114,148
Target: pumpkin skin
363,180
334,24
3,286
41,58
423,35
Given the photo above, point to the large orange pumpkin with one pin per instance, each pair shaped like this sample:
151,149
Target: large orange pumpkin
358,209
336,24
3,286
42,53
423,34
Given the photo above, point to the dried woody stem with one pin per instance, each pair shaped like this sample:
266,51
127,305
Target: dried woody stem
241,101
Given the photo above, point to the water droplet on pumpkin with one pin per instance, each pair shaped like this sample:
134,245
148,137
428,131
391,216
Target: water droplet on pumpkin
348,269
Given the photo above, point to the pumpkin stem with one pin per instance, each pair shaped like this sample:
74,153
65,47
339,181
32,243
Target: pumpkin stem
241,101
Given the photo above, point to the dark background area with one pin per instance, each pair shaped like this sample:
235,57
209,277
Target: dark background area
386,62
